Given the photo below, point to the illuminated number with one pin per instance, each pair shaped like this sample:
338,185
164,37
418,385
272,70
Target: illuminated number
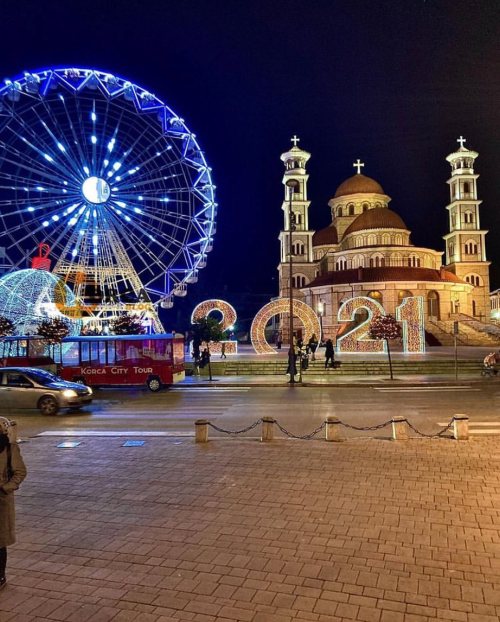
357,339
411,313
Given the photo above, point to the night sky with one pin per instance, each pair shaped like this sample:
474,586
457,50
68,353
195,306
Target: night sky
393,83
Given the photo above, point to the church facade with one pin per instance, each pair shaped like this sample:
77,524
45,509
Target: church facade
367,251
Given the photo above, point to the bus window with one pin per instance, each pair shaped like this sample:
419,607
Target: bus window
133,350
98,352
85,353
111,352
70,354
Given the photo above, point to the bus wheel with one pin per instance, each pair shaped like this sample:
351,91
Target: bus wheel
153,384
47,405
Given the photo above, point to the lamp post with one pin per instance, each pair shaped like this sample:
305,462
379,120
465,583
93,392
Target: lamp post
291,185
321,313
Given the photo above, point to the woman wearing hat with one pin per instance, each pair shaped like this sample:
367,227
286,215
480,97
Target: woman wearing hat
12,473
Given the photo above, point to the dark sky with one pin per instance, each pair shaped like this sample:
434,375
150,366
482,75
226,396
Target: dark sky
393,83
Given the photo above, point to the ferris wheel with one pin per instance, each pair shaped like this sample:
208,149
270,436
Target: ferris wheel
111,179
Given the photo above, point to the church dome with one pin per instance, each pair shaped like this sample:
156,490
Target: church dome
377,218
326,236
358,184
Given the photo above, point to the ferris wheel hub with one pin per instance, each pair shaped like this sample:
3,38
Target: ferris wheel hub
96,190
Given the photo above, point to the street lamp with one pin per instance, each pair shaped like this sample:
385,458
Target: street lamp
321,313
291,185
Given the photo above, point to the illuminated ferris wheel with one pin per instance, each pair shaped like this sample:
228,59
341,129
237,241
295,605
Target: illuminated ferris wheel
111,179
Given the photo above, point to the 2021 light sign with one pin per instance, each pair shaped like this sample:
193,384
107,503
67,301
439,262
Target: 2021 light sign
410,313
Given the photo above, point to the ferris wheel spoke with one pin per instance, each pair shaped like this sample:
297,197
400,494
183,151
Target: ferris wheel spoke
76,140
37,137
62,150
28,163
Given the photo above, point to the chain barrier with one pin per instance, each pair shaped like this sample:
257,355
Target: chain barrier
321,427
235,432
366,428
305,437
438,434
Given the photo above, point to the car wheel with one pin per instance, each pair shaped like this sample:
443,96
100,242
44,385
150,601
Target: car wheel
48,405
153,384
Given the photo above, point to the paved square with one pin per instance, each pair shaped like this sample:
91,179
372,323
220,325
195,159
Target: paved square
367,530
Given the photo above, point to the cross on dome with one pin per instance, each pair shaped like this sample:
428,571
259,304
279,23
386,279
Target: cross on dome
295,140
461,140
359,165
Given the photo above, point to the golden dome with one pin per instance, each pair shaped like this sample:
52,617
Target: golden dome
376,218
326,236
358,184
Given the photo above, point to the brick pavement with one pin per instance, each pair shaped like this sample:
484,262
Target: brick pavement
367,530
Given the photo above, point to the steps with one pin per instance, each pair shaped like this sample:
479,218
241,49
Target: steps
347,368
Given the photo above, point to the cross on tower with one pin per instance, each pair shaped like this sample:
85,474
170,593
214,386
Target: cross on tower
295,140
461,140
359,165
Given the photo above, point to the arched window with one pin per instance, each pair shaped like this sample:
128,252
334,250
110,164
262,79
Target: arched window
386,238
358,261
468,217
403,293
298,281
433,304
396,260
471,248
451,250
414,261
350,208
298,219
339,210
298,248
365,207
398,240
341,264
474,279
378,204
372,240
375,295
377,261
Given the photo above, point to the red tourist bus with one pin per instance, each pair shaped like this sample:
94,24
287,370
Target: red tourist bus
104,360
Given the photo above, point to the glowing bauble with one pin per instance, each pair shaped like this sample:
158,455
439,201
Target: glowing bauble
29,296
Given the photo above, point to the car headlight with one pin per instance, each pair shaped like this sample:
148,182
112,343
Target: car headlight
69,393
89,391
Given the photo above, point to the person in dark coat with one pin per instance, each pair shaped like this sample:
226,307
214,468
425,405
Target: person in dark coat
12,473
312,344
329,353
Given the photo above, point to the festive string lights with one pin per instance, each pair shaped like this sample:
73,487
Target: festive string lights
358,340
29,296
282,305
229,317
411,313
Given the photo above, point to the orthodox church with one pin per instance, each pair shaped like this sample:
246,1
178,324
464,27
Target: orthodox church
367,251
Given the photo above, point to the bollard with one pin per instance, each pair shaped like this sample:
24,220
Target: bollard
461,427
267,433
333,431
201,431
399,429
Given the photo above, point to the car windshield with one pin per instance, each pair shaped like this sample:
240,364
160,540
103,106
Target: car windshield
43,377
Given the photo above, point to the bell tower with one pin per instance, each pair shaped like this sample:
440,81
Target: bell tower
465,243
296,205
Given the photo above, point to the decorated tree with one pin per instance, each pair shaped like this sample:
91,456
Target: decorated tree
205,330
127,325
53,331
388,328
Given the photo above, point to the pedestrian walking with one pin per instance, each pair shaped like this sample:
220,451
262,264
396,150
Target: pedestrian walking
329,353
223,350
312,344
279,340
12,473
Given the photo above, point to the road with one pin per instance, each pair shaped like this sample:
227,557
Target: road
135,413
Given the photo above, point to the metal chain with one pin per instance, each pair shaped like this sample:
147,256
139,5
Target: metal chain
306,437
235,432
366,428
322,426
440,433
